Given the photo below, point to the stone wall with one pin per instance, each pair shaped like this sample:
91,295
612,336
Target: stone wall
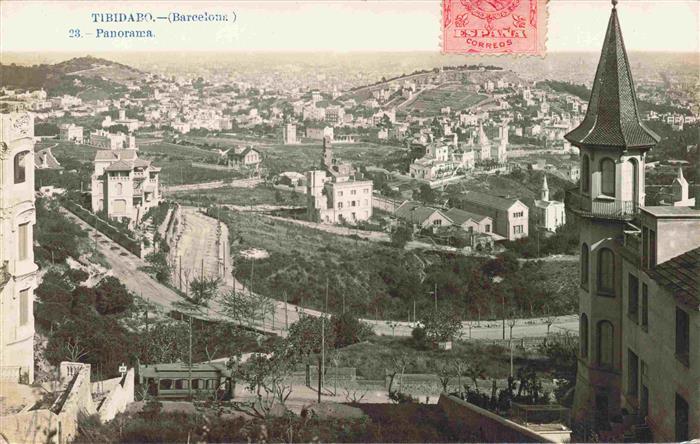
474,424
118,397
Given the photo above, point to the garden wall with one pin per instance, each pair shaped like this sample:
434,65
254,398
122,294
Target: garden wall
474,424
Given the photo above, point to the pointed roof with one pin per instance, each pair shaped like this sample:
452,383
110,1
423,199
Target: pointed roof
612,118
544,183
483,140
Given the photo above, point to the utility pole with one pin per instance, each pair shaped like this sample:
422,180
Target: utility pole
503,309
180,259
189,367
323,337
286,320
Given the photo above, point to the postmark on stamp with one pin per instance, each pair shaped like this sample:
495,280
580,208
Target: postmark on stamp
492,27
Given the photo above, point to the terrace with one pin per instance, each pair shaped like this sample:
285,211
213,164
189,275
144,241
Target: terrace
602,207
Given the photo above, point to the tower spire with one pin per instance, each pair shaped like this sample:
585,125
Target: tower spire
544,192
612,118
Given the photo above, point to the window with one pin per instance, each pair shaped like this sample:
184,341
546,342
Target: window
632,373
353,192
645,306
633,298
584,266
437,222
20,166
488,228
645,247
120,188
605,344
682,336
166,384
606,272
585,174
340,193
366,190
23,241
518,214
24,306
583,334
119,206
518,229
682,416
352,204
607,177
340,205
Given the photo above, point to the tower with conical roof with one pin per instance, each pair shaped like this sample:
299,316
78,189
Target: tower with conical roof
613,143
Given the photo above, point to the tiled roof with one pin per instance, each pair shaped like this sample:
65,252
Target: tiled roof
120,165
414,212
106,155
460,216
488,200
612,118
680,276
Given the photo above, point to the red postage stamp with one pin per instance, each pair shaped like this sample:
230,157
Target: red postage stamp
491,27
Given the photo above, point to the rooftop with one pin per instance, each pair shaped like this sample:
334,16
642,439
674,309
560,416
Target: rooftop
671,211
680,276
487,200
460,216
612,118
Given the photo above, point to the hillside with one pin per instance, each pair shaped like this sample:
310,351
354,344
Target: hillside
72,76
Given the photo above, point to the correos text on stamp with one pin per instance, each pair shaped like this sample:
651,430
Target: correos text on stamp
494,26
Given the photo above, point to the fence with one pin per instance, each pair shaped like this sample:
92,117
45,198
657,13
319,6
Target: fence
104,227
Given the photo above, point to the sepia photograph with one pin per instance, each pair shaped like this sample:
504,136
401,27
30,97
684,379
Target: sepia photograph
358,221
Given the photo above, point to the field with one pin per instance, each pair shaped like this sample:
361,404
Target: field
240,196
300,158
380,281
454,95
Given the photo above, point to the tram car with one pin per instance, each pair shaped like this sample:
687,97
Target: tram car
172,381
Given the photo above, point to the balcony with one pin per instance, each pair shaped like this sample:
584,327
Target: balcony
600,207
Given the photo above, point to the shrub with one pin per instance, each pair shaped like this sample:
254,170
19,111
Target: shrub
419,337
349,330
442,325
112,297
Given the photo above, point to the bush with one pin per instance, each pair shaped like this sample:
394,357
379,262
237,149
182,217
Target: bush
349,330
419,337
112,297
441,326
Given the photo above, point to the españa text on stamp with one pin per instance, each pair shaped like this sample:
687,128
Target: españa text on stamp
494,26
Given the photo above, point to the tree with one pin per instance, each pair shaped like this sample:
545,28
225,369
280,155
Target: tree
112,297
349,330
266,376
401,235
202,290
312,335
441,326
444,373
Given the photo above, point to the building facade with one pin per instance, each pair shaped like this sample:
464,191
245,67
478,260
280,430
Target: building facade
108,141
71,132
510,216
124,186
17,267
639,306
336,193
289,134
551,214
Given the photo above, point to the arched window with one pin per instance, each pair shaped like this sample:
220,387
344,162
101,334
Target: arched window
120,188
607,177
20,166
606,343
606,272
583,335
584,266
585,174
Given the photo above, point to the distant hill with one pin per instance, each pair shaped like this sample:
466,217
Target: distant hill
73,76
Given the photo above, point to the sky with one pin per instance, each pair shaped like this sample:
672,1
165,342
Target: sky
339,25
